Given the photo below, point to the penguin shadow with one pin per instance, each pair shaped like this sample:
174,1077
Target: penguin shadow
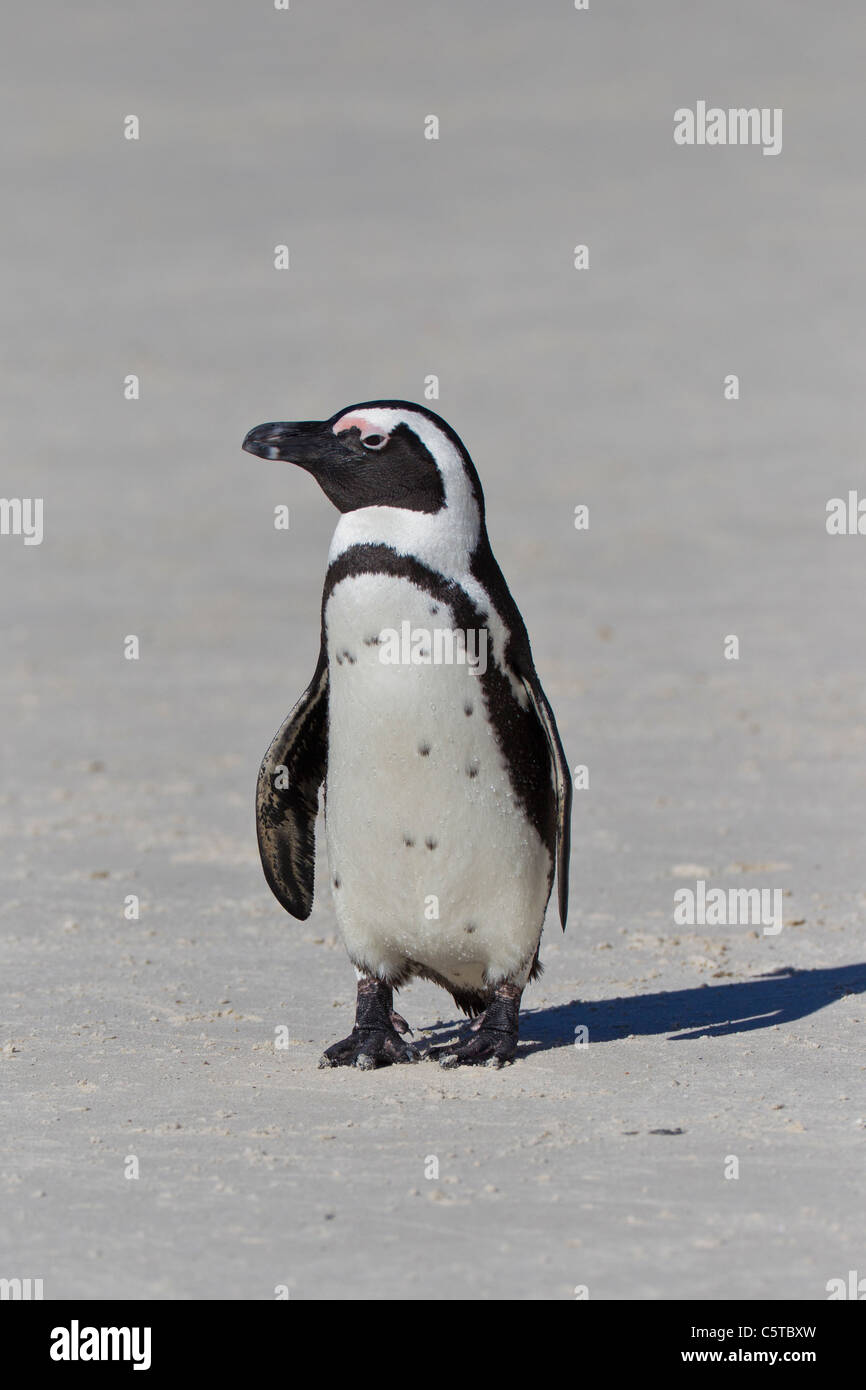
709,1011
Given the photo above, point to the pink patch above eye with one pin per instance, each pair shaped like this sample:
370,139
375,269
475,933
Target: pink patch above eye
357,422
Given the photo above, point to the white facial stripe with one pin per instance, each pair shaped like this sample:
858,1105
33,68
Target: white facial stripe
444,540
358,422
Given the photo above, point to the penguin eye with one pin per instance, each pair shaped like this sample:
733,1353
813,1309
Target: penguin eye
374,441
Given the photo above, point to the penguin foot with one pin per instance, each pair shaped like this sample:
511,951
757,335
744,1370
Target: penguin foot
488,1048
368,1048
375,1039
495,1040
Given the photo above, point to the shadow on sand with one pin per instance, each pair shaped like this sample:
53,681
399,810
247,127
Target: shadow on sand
705,1012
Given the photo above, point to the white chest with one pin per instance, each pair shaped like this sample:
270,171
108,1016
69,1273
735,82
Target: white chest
431,856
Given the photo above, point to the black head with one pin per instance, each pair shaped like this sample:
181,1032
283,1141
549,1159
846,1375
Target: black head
370,455
376,454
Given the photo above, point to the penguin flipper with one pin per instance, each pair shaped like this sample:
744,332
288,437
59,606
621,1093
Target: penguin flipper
287,797
562,785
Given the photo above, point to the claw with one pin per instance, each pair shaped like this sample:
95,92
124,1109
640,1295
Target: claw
368,1048
489,1048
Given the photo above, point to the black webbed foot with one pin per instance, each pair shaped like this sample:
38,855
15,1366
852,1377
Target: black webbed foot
368,1048
488,1048
494,1043
374,1041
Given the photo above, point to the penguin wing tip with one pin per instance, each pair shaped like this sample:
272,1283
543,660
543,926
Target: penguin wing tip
290,893
563,905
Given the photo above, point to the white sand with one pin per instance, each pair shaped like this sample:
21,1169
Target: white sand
155,1038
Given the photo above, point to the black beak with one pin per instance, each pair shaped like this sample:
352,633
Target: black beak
312,444
308,443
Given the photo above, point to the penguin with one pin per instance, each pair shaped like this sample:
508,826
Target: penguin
447,794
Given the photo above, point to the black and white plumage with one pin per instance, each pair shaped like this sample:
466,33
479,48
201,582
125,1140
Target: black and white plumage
443,785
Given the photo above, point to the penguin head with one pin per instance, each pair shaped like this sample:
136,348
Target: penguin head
377,454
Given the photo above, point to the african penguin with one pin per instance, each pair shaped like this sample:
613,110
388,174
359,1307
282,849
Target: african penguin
447,792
